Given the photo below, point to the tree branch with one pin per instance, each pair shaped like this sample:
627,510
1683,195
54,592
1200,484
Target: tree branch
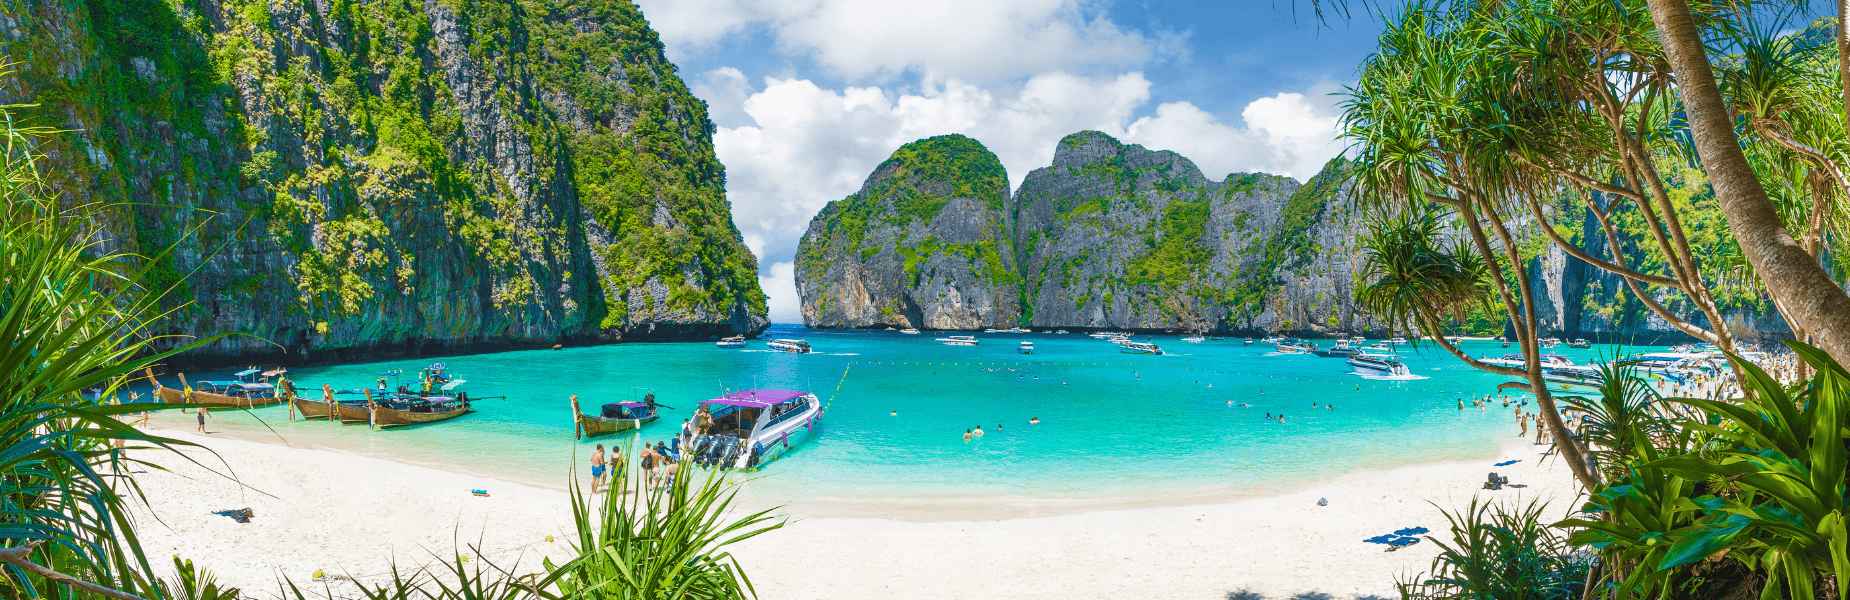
1576,252
21,557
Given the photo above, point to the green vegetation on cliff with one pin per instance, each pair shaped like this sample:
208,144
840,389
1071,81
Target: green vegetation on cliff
541,155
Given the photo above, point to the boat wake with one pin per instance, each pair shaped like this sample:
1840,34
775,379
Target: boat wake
1389,377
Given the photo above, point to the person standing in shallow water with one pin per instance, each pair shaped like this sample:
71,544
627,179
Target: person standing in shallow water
978,432
967,435
202,417
597,469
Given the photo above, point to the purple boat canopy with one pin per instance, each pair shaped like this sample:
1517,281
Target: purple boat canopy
756,398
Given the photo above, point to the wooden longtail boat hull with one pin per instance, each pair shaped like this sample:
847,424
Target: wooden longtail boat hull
311,409
596,426
351,414
173,396
392,417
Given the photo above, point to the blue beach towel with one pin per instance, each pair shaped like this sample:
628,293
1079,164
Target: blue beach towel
1412,531
1508,462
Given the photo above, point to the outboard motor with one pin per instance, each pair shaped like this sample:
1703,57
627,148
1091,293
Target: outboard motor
730,457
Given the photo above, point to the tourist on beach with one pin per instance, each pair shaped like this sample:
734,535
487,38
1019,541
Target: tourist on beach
597,469
703,420
648,465
202,418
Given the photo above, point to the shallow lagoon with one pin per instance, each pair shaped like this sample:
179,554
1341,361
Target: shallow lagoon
1113,425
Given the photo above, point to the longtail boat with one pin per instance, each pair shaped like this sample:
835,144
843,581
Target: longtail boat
249,390
310,408
615,417
395,410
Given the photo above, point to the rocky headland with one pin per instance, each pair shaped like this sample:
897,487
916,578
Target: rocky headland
346,179
1115,236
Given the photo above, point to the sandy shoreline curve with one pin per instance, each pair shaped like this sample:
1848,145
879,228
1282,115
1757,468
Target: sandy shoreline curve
356,516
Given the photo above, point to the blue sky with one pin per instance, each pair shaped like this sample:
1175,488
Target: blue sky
810,95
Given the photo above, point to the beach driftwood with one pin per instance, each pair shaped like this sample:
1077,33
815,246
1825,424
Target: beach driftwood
21,556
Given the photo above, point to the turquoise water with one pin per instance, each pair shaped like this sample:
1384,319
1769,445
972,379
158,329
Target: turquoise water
1112,425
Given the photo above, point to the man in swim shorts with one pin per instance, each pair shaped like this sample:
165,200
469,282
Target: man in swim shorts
597,469
202,418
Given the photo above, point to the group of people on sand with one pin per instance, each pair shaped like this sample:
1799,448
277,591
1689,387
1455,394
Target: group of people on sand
658,463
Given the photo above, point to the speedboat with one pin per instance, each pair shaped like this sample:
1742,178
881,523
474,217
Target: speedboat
1549,342
751,428
1580,343
1025,348
737,341
1249,341
1399,341
1379,347
1295,346
1194,339
1677,366
1574,378
1061,331
1270,339
1358,340
1515,361
1342,349
909,331
959,340
1130,347
1378,363
791,346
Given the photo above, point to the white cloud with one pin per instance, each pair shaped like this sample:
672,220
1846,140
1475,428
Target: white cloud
725,90
781,286
965,39
1288,134
812,145
696,22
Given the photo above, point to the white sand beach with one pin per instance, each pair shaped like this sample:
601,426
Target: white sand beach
354,516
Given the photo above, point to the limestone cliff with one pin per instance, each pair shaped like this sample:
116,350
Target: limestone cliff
924,243
355,178
1116,236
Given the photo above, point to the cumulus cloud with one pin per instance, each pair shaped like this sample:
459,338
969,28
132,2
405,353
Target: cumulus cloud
1287,134
781,287
810,145
725,90
968,39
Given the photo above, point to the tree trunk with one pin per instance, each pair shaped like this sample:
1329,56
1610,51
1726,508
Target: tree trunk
1788,271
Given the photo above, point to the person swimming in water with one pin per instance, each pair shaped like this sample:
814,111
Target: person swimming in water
967,435
1034,421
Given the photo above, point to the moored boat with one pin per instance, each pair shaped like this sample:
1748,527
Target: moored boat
737,341
1025,348
909,331
1194,339
1549,342
1378,363
395,410
614,417
1342,349
959,340
1294,346
1580,343
751,428
793,346
1130,347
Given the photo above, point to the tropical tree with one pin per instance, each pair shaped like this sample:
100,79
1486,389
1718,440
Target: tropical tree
73,327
